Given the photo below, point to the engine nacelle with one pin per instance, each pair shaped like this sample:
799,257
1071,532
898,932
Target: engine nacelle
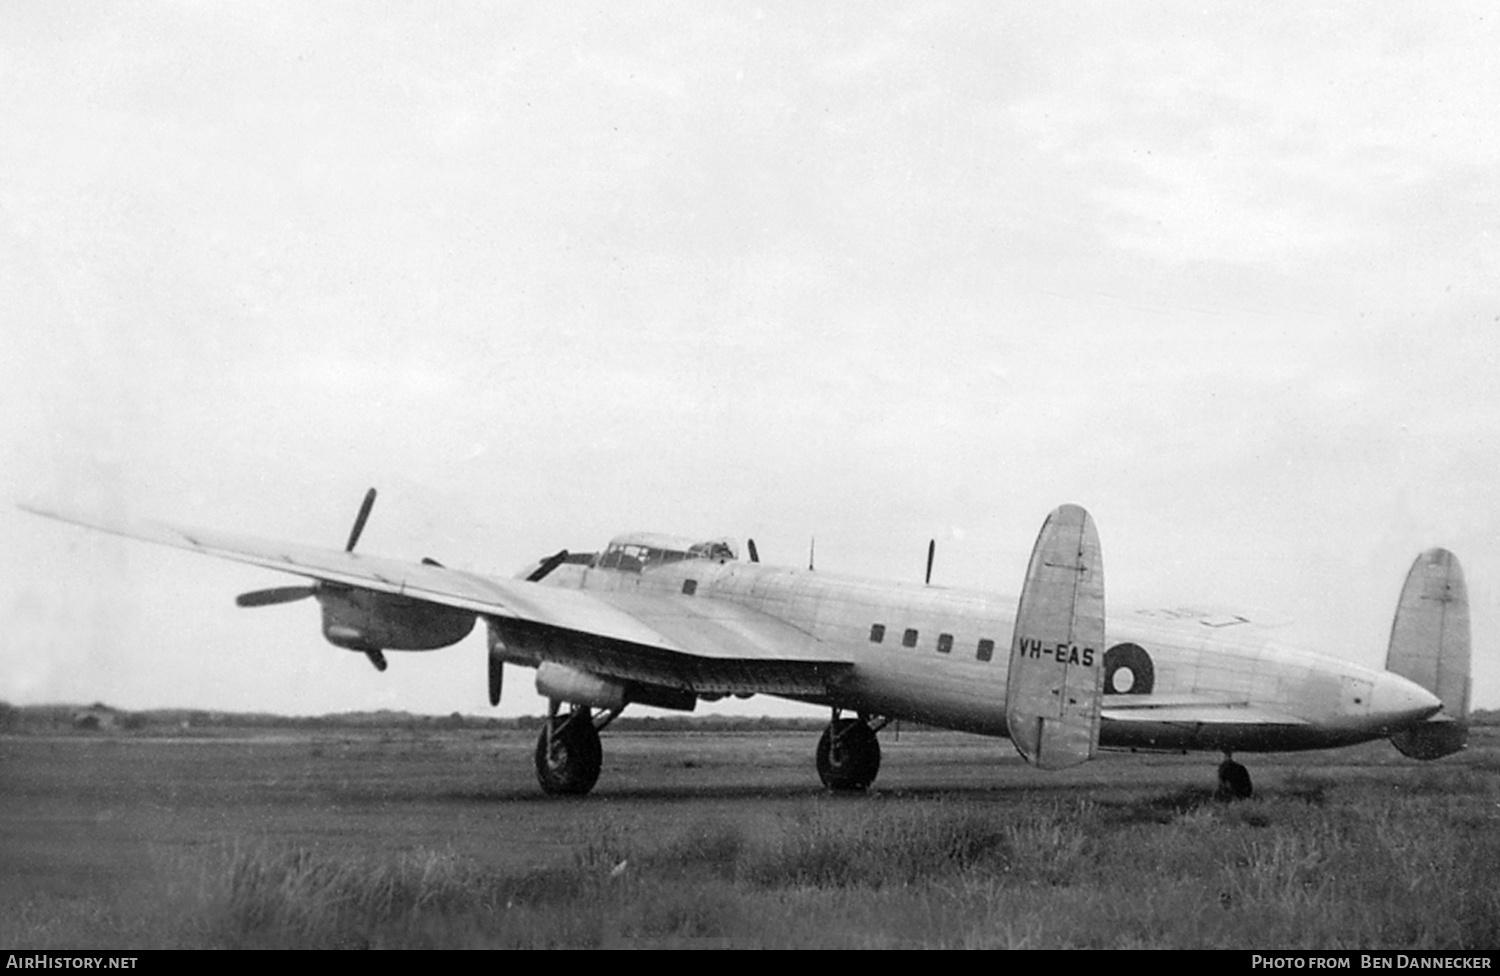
562,683
363,620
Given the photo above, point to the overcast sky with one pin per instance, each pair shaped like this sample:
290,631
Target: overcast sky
1228,277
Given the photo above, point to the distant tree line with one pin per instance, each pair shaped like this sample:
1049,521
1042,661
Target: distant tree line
102,717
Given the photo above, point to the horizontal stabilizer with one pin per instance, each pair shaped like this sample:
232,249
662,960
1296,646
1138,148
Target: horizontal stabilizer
1432,740
1198,714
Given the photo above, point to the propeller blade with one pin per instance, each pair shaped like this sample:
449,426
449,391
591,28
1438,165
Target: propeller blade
376,658
359,520
754,556
280,594
547,566
497,678
931,551
429,561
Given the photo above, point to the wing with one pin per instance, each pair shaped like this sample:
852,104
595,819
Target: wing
704,646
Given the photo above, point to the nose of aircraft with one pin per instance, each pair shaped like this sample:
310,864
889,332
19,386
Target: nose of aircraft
1398,700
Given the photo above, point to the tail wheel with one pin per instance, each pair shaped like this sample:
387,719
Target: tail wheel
1234,781
848,756
568,754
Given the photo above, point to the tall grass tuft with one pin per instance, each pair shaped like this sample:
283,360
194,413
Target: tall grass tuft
850,845
299,897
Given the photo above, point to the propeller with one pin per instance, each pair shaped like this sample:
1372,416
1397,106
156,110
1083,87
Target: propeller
754,556
931,551
497,664
497,678
280,594
547,566
291,594
359,520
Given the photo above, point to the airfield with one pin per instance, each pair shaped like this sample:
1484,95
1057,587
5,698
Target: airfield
426,834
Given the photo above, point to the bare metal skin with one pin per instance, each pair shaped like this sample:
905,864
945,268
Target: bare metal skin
667,622
1217,686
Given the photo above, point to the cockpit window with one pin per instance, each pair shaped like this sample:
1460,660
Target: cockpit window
719,551
630,558
637,552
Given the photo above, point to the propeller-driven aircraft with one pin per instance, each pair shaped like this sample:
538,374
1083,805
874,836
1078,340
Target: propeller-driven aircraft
666,622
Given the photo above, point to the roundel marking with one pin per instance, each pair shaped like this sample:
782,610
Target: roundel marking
1128,670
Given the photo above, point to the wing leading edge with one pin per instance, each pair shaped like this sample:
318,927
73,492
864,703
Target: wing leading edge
705,646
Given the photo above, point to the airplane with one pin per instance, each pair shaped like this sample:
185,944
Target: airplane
665,621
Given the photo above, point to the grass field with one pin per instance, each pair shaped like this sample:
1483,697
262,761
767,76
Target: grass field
440,838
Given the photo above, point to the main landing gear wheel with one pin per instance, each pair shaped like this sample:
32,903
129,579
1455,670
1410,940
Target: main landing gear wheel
1234,780
568,754
848,756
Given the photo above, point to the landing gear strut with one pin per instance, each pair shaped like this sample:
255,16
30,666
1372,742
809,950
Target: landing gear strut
848,754
568,753
1234,780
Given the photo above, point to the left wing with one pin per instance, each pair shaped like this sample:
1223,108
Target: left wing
702,645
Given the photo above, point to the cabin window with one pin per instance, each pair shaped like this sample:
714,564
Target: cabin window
909,639
986,650
689,587
877,633
945,643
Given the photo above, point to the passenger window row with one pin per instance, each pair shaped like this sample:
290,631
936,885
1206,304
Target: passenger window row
984,651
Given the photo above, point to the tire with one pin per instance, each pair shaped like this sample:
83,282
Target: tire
573,767
853,766
1234,781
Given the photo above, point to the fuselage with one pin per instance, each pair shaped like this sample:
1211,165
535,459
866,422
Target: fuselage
1173,679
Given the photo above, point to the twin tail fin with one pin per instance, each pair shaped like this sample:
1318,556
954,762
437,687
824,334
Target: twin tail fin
1430,645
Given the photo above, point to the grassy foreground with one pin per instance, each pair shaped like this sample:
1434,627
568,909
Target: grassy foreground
1316,864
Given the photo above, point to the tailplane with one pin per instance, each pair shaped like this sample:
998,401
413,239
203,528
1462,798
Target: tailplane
1430,645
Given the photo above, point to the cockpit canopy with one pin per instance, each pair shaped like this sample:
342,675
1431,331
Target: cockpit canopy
636,551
